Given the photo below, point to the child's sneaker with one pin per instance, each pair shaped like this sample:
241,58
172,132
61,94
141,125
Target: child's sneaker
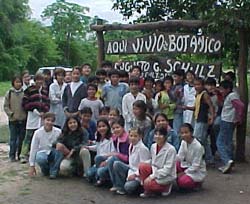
167,191
146,194
113,189
121,192
228,167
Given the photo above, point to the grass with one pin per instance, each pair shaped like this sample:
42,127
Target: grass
4,87
4,136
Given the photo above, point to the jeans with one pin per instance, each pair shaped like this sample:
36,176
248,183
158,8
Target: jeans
27,142
94,171
178,121
121,172
200,133
225,141
49,164
17,134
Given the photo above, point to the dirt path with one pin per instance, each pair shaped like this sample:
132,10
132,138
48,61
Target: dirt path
17,187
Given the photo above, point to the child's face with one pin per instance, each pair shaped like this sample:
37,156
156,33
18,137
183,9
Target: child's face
148,85
102,128
17,84
114,79
161,122
210,88
72,124
47,77
134,137
117,129
60,78
91,91
75,75
136,72
177,79
124,79
86,117
186,134
198,86
48,123
167,85
107,68
104,114
101,78
190,77
39,82
159,138
26,78
86,70
224,91
112,115
137,111
68,77
158,87
134,87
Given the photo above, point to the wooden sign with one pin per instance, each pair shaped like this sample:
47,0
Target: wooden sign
163,67
165,43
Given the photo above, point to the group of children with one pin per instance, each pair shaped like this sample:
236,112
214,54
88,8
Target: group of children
121,129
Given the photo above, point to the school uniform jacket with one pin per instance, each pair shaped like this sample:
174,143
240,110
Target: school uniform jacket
103,147
191,157
137,153
163,164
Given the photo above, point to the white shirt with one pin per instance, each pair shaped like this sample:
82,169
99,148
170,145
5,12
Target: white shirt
103,147
137,154
42,141
228,111
74,86
191,157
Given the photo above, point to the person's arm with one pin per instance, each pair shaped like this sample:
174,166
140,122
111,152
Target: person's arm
33,151
6,105
125,109
208,101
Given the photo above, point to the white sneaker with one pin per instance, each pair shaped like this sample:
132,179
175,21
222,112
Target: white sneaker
228,167
146,194
168,191
121,192
113,189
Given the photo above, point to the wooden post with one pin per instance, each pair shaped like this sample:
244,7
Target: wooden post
101,52
100,44
243,90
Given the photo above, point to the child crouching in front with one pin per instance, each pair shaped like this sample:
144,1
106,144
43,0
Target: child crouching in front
42,152
127,176
191,167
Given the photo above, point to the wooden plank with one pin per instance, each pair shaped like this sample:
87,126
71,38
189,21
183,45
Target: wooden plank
160,68
152,25
166,43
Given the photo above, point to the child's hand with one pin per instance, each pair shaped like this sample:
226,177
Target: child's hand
131,177
32,171
147,180
104,163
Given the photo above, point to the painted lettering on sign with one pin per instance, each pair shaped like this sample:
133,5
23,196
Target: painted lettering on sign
166,43
162,68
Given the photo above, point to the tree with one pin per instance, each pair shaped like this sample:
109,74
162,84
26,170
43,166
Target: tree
69,22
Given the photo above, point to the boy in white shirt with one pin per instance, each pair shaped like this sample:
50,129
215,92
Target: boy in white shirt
42,152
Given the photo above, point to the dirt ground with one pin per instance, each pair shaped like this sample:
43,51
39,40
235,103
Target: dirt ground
17,187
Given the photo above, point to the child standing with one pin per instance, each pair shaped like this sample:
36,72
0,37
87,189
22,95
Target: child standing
41,150
165,103
70,143
232,113
17,117
36,102
88,123
141,120
129,99
191,167
85,72
56,90
92,102
74,92
113,93
189,97
136,72
127,176
158,174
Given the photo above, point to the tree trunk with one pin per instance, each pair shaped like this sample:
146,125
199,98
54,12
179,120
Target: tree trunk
243,91
101,51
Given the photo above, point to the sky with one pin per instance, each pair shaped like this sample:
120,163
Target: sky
100,8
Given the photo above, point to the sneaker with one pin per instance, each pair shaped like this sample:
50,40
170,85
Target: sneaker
52,176
228,167
146,194
23,161
167,191
121,192
98,183
113,189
